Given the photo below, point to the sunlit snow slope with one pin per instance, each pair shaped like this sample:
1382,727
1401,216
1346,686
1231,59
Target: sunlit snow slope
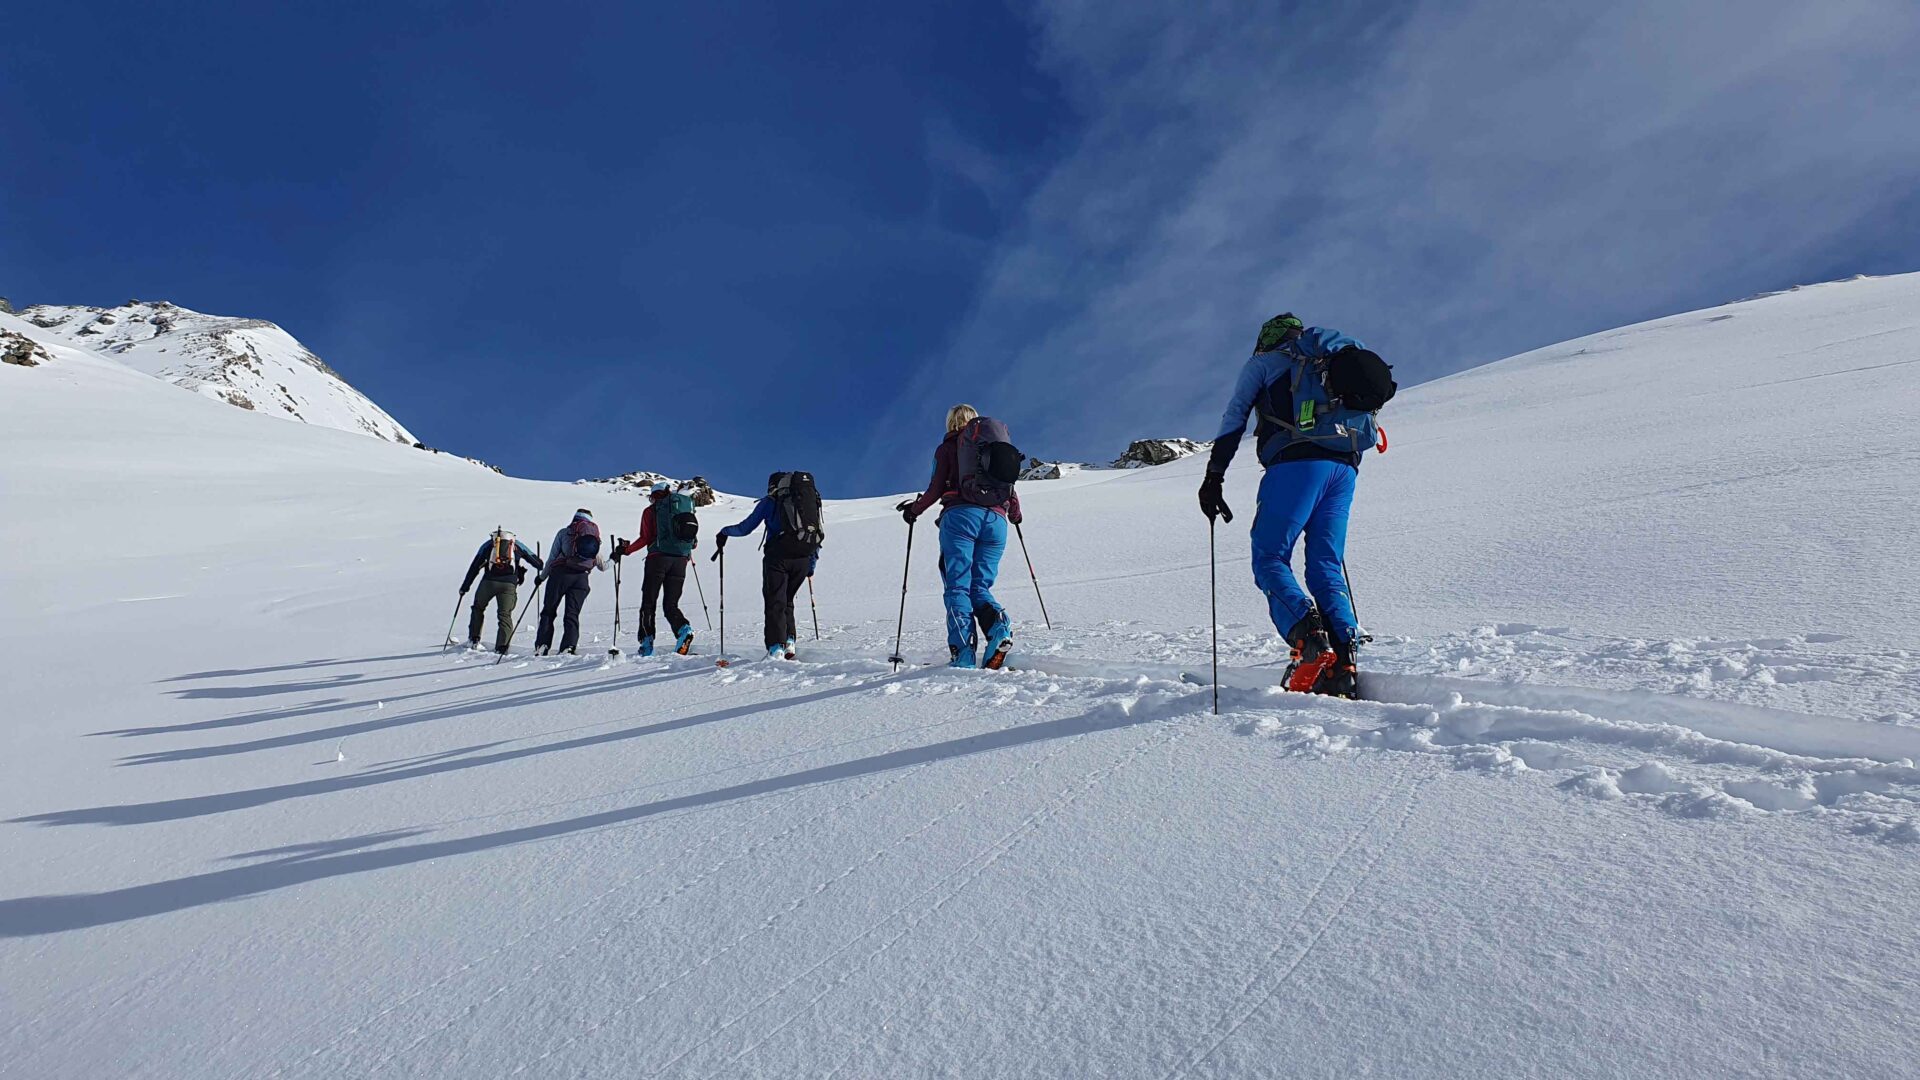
1635,796
249,363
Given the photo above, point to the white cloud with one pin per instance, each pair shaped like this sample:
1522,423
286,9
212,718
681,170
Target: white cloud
1450,182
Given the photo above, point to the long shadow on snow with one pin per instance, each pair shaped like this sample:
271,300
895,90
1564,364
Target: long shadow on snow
28,916
514,700
201,805
229,673
312,708
344,681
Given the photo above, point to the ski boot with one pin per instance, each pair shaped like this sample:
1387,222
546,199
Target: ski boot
959,657
683,640
1312,653
473,644
999,643
791,655
646,646
776,652
1342,677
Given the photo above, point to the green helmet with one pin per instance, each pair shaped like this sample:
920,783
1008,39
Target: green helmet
1277,331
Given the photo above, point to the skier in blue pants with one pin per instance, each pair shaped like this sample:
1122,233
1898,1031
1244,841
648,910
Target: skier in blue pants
1310,441
973,535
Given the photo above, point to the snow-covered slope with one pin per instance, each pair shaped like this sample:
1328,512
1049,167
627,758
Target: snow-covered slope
249,363
1636,797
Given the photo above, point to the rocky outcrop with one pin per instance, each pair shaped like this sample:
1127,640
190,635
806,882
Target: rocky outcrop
21,350
642,481
1143,453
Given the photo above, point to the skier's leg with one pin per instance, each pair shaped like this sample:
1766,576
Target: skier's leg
478,620
987,549
650,593
673,578
1327,552
505,599
796,580
1288,492
576,599
773,599
958,526
549,604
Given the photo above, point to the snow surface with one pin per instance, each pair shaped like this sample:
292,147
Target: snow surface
249,363
1637,797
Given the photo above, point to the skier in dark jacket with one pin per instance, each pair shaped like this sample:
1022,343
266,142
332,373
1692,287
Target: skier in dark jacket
787,561
499,560
1311,468
575,554
666,565
972,539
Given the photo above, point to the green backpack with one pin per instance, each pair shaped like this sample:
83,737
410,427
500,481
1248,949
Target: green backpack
676,527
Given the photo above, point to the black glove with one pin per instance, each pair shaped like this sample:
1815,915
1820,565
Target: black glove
619,546
906,511
1212,503
719,541
464,588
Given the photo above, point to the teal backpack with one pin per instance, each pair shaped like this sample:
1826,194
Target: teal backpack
676,528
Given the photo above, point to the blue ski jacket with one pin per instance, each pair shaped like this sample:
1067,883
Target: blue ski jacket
764,512
1263,370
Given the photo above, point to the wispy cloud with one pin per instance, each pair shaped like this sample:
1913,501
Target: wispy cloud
1449,181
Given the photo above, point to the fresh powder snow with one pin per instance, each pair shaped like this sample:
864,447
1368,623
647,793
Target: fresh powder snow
1634,794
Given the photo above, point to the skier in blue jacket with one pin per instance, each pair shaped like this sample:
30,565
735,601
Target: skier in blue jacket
790,556
1307,488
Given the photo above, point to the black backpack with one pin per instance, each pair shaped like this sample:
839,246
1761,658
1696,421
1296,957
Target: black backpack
797,501
987,462
1359,379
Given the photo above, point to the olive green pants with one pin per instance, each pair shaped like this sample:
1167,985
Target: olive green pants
503,595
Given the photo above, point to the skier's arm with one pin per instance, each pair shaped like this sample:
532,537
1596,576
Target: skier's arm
761,513
527,555
943,466
473,569
1233,423
646,533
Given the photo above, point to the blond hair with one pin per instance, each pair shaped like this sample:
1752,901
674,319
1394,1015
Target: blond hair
959,416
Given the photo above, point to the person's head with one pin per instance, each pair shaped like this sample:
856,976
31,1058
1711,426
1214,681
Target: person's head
583,513
660,490
960,416
773,481
1278,331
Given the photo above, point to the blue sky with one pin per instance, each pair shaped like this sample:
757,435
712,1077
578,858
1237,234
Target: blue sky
725,239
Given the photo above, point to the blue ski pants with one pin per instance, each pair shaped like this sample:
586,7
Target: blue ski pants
972,539
1313,497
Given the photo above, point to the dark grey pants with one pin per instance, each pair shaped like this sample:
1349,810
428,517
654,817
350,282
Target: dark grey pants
503,595
572,588
780,581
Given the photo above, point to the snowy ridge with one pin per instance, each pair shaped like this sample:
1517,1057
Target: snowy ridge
248,363
1635,794
1140,454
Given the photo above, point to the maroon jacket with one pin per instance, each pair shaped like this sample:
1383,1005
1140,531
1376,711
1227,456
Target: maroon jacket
944,488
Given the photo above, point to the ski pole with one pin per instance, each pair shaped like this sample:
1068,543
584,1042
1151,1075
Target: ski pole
524,608
722,556
896,659
815,605
704,610
1213,590
1359,627
615,651
457,601
1036,578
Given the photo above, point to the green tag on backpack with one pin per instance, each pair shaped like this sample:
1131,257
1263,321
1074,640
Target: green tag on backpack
1306,415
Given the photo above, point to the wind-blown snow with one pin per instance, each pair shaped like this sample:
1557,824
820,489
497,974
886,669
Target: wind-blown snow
1636,794
249,363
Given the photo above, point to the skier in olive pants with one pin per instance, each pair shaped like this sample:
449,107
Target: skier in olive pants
497,564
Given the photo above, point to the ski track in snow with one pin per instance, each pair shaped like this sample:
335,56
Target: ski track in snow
824,885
